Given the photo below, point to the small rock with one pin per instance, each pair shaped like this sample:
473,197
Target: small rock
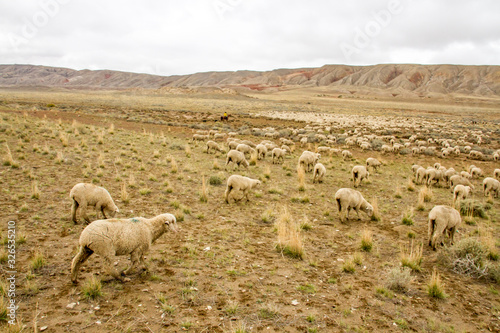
145,290
97,308
43,328
207,248
98,322
71,306
209,307
295,302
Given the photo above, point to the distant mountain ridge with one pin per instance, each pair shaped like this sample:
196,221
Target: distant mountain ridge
395,79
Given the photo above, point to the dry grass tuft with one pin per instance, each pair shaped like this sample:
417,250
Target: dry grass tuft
411,256
8,160
124,194
376,213
289,239
301,175
366,242
267,172
204,190
173,165
435,288
411,185
35,192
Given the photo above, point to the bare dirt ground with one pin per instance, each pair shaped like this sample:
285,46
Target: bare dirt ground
221,272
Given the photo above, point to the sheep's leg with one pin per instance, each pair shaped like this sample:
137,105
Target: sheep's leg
83,211
79,259
74,207
134,260
451,235
432,225
357,212
111,268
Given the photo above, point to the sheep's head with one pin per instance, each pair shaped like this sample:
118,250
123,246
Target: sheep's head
171,222
368,209
111,210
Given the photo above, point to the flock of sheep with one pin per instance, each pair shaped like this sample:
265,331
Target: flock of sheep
134,236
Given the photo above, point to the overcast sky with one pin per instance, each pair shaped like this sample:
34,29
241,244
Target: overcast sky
183,37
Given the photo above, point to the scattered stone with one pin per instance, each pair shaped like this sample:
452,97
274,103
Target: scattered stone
71,306
295,302
43,328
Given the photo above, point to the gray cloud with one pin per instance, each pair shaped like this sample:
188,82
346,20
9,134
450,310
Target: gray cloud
173,37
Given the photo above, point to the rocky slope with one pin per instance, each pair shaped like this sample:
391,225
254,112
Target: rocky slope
390,79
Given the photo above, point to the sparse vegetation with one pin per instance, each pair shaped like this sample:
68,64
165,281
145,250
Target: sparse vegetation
435,287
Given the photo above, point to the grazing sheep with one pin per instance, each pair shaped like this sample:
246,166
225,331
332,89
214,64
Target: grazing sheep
348,199
420,175
373,162
245,149
84,195
457,179
432,174
200,137
461,192
323,150
489,185
239,184
476,155
237,158
219,136
472,166
214,146
496,174
261,151
278,154
442,219
308,159
286,148
319,173
233,144
249,143
359,173
476,172
118,237
414,168
346,154
447,174
465,174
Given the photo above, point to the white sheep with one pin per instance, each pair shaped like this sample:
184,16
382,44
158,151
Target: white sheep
373,162
348,199
432,174
308,159
461,192
491,185
319,173
476,172
286,148
245,149
359,173
277,154
84,195
448,173
261,151
237,158
237,183
496,174
346,154
442,219
214,146
323,150
200,137
118,237
457,179
420,175
465,174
